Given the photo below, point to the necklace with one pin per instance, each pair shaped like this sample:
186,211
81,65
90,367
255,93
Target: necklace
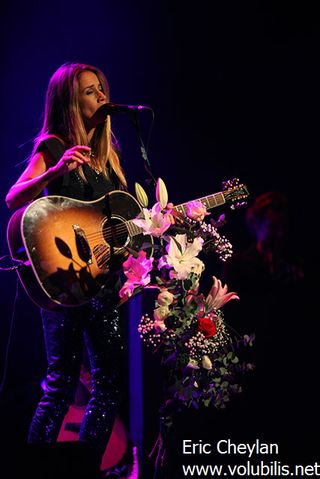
97,172
95,169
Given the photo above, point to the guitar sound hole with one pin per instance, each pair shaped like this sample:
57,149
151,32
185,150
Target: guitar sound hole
115,233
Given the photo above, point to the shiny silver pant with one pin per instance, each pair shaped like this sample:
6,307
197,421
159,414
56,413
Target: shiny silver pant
97,326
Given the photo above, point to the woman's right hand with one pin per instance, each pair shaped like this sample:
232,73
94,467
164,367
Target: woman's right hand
72,159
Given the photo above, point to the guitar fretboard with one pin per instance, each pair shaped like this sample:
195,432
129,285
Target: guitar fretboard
211,201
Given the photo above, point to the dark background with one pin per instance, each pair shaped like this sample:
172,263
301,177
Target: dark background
234,87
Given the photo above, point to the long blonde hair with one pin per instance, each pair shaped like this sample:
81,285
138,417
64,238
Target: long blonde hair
62,118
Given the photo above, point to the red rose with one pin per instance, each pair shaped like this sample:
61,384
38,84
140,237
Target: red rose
207,327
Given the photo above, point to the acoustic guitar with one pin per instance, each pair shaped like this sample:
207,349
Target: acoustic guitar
69,249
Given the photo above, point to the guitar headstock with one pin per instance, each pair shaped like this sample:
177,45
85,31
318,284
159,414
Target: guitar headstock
235,193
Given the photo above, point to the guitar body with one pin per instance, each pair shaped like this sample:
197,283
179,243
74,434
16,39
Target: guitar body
70,428
70,248
116,447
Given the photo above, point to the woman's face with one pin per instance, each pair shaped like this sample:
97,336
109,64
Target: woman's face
91,96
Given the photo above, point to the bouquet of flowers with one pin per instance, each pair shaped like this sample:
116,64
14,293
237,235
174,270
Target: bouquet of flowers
186,327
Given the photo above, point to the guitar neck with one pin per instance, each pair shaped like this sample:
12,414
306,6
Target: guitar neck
210,202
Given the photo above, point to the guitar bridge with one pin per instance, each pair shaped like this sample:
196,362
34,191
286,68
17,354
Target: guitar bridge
82,244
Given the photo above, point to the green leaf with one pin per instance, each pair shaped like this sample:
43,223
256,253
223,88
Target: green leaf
178,244
217,380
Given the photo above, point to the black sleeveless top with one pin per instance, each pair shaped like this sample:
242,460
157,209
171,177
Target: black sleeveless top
71,184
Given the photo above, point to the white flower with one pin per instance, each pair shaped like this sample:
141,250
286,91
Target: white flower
218,295
161,313
165,298
198,268
206,362
154,223
182,256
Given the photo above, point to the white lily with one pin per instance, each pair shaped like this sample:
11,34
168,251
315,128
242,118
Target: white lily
154,223
182,256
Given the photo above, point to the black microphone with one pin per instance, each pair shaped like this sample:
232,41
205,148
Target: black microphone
114,108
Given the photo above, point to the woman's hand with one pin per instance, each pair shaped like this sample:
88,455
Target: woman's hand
72,159
39,173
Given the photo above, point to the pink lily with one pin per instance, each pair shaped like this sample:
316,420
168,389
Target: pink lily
137,271
218,295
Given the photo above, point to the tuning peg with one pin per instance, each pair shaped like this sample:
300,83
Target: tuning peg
237,205
230,183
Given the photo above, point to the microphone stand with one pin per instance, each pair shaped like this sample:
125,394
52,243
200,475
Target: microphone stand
134,120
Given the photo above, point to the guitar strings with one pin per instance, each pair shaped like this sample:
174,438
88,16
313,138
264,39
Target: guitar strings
108,231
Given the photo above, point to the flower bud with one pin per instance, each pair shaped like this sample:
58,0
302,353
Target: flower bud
165,298
206,362
141,195
159,314
161,193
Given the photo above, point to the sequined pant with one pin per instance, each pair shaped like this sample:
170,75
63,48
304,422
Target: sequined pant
65,332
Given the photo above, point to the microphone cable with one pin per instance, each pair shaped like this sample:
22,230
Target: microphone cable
7,350
144,148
